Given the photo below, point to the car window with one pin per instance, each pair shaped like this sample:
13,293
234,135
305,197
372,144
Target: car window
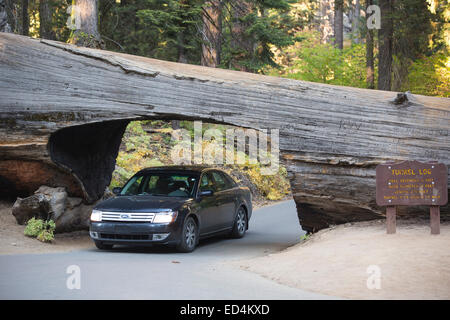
219,181
161,184
132,187
207,182
229,182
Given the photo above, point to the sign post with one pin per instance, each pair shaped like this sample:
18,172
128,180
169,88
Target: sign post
391,219
410,183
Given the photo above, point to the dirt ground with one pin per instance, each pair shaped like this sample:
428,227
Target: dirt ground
343,260
13,241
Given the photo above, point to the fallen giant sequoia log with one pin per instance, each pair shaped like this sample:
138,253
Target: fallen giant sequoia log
64,110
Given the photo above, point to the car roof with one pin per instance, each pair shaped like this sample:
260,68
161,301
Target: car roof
186,168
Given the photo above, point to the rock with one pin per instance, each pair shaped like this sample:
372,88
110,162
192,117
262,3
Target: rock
69,213
73,202
57,198
75,218
36,206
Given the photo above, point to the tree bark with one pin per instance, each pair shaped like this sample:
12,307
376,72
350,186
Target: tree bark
339,24
242,45
45,20
5,26
212,33
25,18
326,20
86,33
370,68
385,36
356,29
61,125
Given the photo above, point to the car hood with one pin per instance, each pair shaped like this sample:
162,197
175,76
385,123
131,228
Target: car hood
141,204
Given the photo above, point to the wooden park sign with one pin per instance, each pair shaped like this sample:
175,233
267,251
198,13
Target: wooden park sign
411,183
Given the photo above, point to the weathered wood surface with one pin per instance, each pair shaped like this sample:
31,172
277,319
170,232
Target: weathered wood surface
63,110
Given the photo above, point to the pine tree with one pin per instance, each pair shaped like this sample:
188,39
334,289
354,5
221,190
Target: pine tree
86,33
385,36
211,33
339,24
370,64
253,27
45,20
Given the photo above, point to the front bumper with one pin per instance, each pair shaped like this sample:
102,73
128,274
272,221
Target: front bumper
134,233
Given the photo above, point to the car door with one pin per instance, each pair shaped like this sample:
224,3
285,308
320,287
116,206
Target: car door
226,199
209,206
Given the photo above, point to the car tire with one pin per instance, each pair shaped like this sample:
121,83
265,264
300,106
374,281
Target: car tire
240,224
189,236
100,245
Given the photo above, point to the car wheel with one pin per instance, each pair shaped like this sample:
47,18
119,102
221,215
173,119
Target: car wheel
100,245
189,236
240,224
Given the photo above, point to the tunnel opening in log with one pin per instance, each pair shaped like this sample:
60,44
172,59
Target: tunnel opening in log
148,143
89,152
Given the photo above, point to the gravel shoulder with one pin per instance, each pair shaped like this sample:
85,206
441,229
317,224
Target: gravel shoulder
13,241
413,264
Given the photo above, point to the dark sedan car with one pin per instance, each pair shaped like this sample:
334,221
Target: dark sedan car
175,205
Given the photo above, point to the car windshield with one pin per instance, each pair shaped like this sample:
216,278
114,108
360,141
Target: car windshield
160,184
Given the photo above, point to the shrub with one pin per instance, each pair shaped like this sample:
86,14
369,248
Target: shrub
430,75
42,230
34,227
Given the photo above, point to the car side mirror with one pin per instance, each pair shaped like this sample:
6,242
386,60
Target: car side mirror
117,190
205,193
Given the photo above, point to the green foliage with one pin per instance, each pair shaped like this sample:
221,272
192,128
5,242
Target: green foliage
42,230
322,62
34,227
141,149
269,25
305,237
430,75
153,28
272,187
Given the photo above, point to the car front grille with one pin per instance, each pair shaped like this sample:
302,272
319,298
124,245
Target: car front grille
125,236
128,217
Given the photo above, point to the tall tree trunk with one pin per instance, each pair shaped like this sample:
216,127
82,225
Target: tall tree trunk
4,24
25,18
356,23
326,21
45,17
370,69
242,45
385,38
87,34
6,16
212,33
339,24
181,50
182,58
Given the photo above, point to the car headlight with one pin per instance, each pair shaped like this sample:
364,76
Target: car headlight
165,217
96,216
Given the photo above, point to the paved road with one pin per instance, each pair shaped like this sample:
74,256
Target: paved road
150,273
